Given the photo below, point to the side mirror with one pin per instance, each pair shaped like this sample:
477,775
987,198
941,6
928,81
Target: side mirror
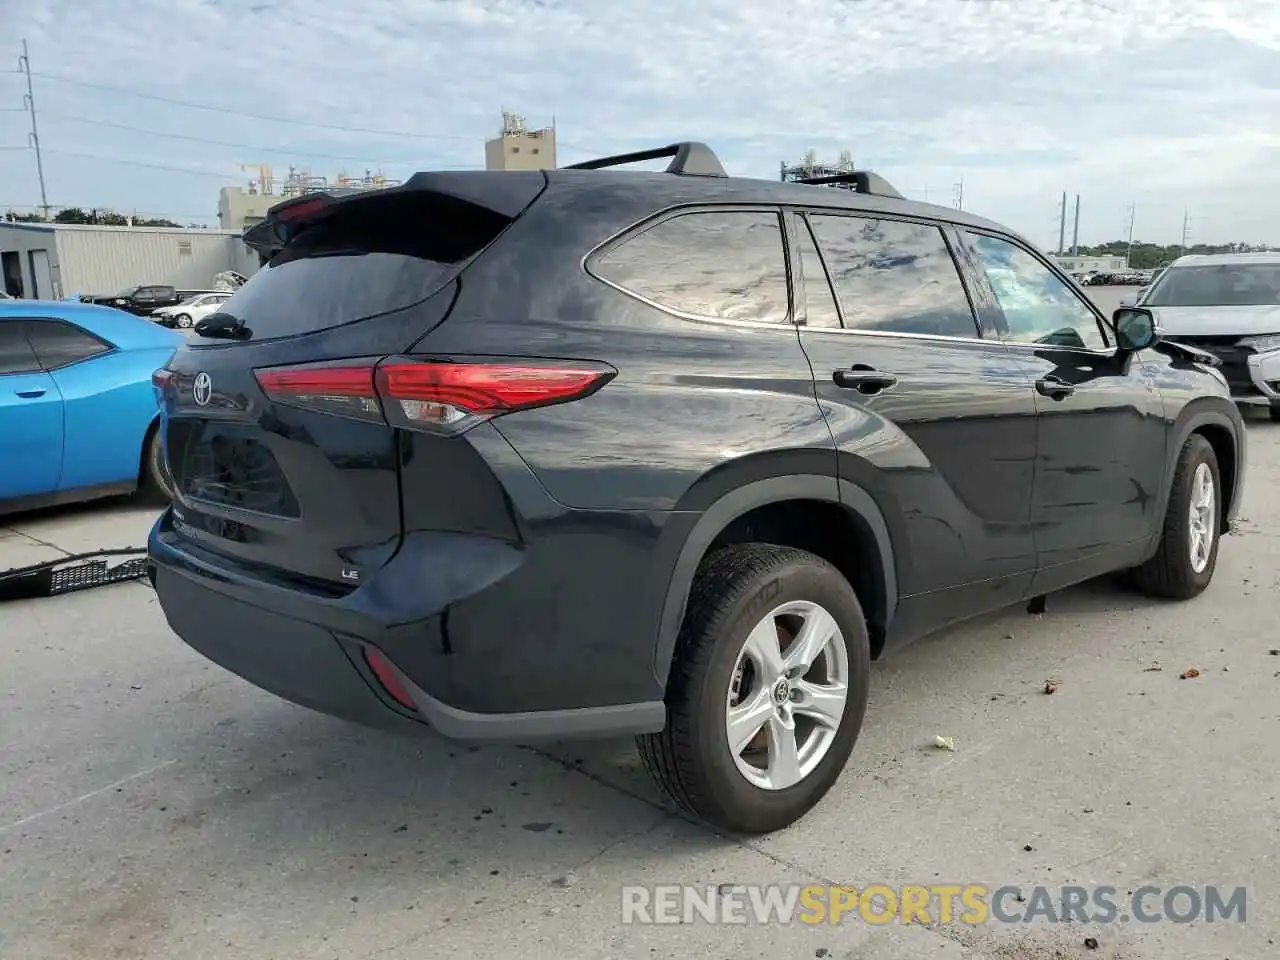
1135,329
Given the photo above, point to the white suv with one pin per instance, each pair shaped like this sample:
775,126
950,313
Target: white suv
1228,304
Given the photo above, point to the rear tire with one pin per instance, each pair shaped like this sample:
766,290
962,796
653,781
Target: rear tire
744,599
1184,563
1275,414
155,485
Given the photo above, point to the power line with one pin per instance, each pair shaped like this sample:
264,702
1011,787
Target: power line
141,163
219,143
244,113
229,111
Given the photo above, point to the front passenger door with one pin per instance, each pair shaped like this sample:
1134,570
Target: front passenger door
1100,459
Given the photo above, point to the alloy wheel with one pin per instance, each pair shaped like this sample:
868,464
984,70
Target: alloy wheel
787,695
1203,517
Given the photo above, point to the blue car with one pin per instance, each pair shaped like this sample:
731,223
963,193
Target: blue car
78,413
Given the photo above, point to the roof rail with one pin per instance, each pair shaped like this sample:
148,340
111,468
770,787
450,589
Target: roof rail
689,158
864,181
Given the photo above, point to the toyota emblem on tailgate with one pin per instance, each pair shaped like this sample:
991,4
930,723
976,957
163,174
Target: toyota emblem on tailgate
201,389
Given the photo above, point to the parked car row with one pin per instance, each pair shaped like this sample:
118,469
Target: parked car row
168,305
1123,278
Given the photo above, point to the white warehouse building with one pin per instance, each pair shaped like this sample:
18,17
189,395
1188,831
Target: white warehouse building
55,260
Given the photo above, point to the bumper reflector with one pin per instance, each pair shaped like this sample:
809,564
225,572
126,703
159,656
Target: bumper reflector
389,678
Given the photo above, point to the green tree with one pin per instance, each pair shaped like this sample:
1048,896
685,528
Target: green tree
1148,256
71,215
11,217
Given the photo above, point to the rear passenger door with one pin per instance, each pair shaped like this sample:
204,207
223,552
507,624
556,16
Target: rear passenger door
932,418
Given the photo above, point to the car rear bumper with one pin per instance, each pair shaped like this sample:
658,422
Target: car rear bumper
312,649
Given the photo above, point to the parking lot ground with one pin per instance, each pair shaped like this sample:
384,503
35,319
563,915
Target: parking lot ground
154,806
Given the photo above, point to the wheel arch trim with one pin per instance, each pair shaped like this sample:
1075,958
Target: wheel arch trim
1228,418
722,512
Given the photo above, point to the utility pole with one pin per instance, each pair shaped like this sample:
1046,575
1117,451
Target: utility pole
29,101
1075,233
1128,250
959,195
1186,229
1062,225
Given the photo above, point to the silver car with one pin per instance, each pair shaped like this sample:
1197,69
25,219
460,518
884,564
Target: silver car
1229,305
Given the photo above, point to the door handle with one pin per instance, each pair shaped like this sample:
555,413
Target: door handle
1053,388
31,394
864,380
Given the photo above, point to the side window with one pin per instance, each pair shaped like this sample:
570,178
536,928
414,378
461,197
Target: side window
59,344
1038,307
725,264
894,277
819,301
15,351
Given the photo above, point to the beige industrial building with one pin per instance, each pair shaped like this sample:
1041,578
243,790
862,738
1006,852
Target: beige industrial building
519,148
515,148
241,207
54,260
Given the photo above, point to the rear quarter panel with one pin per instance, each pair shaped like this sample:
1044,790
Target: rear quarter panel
691,397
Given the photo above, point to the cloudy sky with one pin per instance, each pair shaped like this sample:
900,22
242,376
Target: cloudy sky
1170,105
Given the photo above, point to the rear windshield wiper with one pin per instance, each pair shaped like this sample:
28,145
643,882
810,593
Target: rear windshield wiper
223,326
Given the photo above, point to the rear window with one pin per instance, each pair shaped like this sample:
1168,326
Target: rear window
374,256
1218,285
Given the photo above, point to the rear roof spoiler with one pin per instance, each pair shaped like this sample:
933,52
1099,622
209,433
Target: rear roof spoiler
507,194
689,158
863,181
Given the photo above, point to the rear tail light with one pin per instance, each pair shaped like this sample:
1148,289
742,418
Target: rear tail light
432,394
159,380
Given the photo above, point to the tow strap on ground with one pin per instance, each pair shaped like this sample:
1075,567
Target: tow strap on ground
77,571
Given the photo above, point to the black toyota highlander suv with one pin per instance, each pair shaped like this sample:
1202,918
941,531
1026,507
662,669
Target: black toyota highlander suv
591,451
